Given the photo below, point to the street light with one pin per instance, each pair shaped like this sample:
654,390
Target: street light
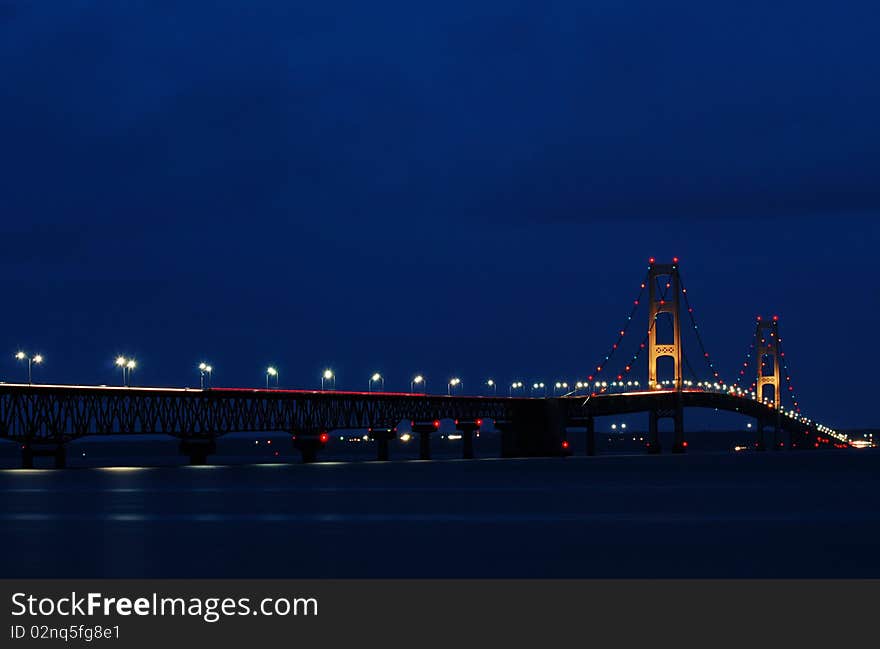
560,386
516,385
271,371
491,383
35,360
328,376
205,371
126,365
120,362
418,380
376,378
452,385
539,386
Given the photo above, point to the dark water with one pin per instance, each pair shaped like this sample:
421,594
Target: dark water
738,515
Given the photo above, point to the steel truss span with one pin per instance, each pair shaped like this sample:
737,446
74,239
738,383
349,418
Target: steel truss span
62,413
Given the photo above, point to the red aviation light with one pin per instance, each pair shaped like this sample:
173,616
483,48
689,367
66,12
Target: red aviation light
776,318
479,422
675,260
565,443
324,438
651,261
436,423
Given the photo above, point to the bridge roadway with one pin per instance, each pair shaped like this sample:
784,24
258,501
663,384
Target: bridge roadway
43,418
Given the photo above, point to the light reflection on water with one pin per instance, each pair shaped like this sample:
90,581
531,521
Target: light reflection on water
548,517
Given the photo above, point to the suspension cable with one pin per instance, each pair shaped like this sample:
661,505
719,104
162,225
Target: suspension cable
693,320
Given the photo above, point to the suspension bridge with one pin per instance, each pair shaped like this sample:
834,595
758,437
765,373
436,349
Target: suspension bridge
44,419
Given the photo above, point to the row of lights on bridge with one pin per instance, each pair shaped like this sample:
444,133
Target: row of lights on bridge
328,378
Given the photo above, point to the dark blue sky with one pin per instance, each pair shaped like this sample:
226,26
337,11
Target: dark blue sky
453,188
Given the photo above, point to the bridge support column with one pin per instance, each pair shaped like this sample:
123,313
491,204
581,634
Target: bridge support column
759,442
309,443
198,450
382,437
27,457
55,450
536,428
785,439
424,430
679,444
590,436
424,446
60,457
468,428
653,433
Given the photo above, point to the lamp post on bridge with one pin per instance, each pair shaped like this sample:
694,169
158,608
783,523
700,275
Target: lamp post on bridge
453,383
37,359
271,371
516,385
127,365
376,378
418,380
492,386
205,375
328,376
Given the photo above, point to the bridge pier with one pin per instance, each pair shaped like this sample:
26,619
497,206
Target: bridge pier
198,450
467,428
759,435
589,425
382,437
56,450
536,429
590,436
777,444
653,446
424,430
308,444
679,444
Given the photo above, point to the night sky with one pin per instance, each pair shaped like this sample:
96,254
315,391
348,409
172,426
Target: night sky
453,188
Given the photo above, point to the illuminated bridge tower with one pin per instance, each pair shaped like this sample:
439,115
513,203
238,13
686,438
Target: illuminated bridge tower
768,361
664,289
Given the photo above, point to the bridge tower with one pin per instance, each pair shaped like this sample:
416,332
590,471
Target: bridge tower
668,301
767,347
